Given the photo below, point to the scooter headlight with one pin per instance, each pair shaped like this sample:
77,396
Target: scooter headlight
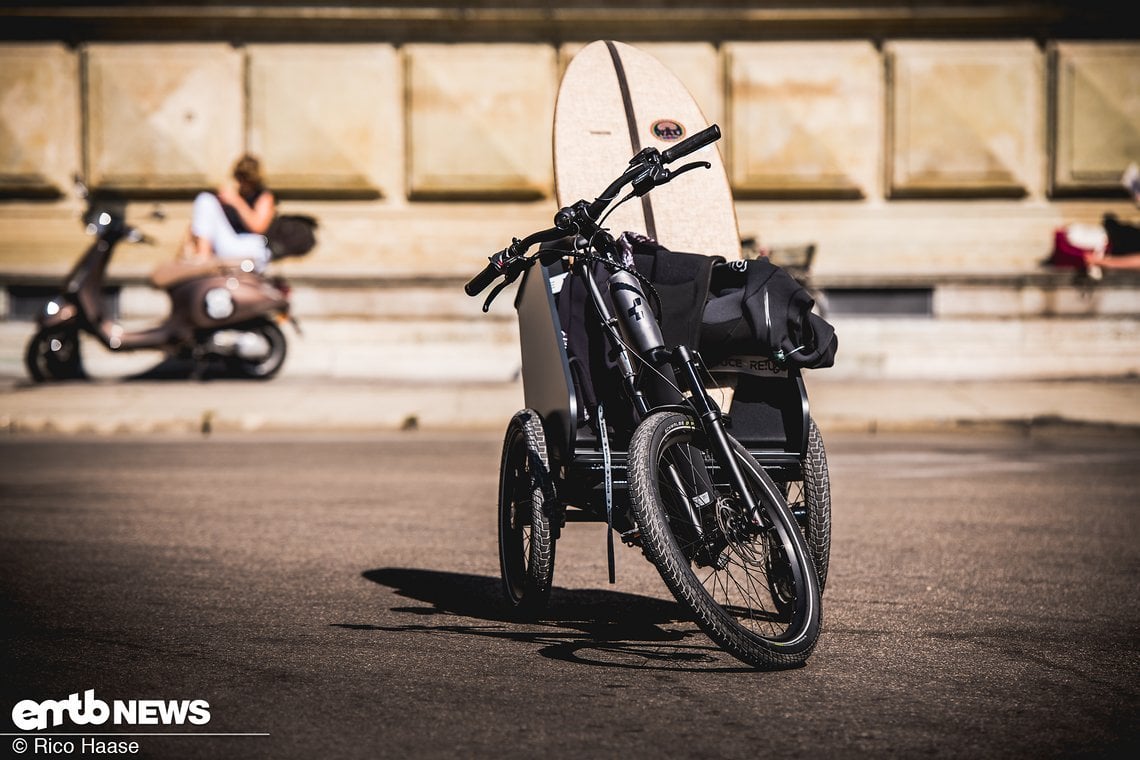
219,303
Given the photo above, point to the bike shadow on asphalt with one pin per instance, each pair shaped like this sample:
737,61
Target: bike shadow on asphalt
584,626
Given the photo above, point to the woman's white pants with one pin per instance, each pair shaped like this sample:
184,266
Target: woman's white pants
208,220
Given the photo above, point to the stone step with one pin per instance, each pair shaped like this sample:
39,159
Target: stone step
453,351
1030,325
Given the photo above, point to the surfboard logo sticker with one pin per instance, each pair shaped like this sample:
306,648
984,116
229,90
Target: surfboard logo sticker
668,130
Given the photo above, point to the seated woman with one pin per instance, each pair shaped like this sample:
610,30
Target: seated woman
231,223
1123,238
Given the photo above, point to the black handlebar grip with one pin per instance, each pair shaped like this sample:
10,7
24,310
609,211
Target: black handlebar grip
690,144
479,282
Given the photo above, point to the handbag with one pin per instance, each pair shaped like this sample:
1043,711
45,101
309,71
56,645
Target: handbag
291,235
1073,241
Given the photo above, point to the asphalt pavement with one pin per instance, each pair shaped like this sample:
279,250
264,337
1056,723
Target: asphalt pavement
337,596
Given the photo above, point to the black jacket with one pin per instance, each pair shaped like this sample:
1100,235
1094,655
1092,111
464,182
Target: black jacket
755,307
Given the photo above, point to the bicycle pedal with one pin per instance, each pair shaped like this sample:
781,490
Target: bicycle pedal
631,537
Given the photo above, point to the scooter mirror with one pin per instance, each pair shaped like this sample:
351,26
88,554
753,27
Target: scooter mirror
106,209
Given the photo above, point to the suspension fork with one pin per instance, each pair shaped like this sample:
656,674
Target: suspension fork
687,366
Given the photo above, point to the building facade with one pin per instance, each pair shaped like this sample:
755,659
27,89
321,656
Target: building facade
912,143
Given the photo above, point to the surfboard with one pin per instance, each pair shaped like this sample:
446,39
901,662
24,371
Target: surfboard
613,101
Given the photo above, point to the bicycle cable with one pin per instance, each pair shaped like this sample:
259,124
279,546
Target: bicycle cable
646,364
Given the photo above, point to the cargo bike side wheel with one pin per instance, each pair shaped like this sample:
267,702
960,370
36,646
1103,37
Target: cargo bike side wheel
753,590
810,501
526,535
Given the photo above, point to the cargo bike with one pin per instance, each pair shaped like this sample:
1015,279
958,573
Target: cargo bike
732,508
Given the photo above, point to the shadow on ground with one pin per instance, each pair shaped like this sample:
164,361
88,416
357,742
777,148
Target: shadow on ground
584,626
172,368
179,368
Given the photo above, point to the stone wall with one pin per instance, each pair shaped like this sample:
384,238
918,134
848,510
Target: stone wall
916,156
925,147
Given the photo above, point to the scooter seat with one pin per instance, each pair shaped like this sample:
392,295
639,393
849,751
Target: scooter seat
170,274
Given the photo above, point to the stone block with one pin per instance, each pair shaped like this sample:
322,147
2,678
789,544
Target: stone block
479,121
805,119
965,118
39,119
163,117
1097,129
328,119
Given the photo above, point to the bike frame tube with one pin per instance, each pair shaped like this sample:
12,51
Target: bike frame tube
685,363
624,359
582,218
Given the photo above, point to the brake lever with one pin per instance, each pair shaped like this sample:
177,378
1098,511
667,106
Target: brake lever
673,174
513,269
494,294
657,175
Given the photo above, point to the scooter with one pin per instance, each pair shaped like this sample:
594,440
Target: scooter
217,309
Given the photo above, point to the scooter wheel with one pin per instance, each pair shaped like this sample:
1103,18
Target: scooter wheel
266,358
53,354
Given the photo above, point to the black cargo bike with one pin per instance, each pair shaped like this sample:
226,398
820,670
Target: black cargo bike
733,509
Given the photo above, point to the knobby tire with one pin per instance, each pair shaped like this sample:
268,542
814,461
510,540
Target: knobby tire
526,535
763,605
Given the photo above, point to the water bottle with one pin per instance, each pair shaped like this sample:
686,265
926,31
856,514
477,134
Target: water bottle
638,323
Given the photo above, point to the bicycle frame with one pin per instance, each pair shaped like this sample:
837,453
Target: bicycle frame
673,481
633,337
680,367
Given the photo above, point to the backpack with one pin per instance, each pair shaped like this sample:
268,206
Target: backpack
291,235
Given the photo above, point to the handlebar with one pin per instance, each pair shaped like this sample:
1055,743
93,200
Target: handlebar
690,144
646,171
479,282
507,262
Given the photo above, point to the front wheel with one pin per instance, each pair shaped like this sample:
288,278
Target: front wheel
526,536
53,354
753,589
